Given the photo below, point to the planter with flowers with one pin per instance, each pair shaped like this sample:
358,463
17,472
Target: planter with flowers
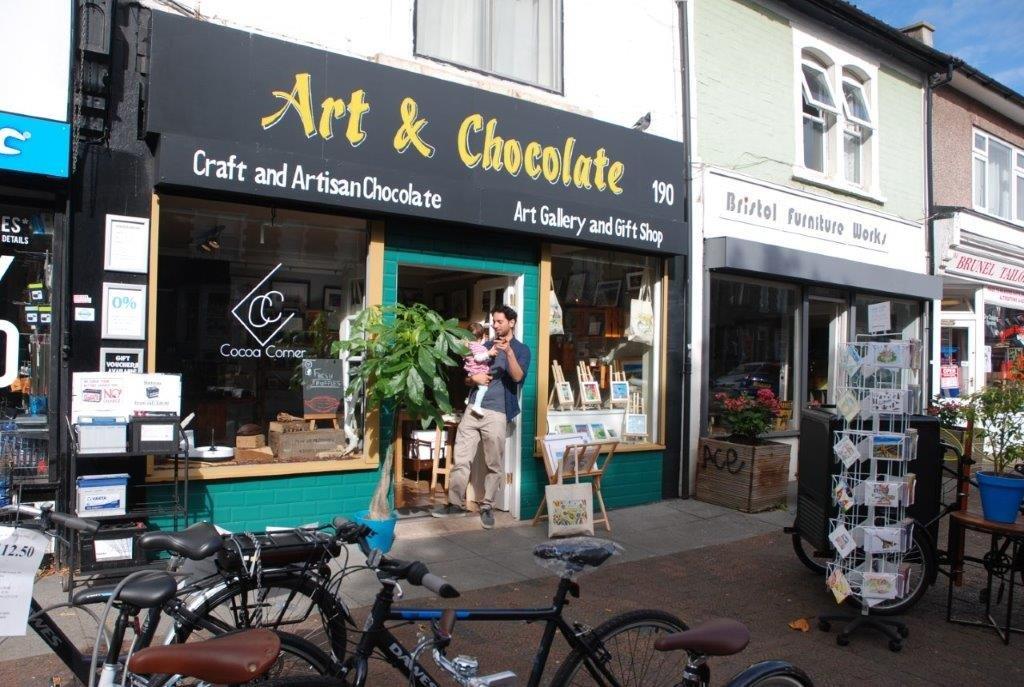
744,471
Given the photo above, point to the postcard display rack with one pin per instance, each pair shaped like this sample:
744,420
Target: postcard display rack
872,489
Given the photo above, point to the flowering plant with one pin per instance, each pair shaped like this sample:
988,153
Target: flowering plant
951,413
748,417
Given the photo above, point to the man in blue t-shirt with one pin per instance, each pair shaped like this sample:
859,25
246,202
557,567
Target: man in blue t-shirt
500,405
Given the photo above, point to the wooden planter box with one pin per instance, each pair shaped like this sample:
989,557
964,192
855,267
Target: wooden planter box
741,476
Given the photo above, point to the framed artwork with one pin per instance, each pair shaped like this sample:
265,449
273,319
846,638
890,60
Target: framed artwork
460,304
564,392
440,303
296,293
356,291
565,429
634,280
554,447
582,428
620,393
598,432
574,287
334,298
595,325
590,394
633,368
606,294
636,425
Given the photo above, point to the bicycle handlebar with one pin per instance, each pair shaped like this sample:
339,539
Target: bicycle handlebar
51,516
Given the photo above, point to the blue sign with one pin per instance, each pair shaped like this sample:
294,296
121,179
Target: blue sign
37,146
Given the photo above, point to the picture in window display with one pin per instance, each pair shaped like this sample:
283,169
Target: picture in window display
1004,336
604,360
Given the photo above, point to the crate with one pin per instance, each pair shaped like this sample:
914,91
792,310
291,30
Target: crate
306,444
115,545
742,476
251,441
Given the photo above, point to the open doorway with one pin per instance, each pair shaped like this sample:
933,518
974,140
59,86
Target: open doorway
425,455
826,332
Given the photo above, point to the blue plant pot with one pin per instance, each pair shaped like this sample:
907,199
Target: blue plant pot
383,536
1000,496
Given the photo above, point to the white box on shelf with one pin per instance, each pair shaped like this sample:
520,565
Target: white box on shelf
100,496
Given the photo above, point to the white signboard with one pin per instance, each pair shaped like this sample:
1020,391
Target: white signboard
124,311
37,41
127,244
959,262
21,551
879,317
123,395
1004,297
755,210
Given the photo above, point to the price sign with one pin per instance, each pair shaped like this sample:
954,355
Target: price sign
124,311
21,551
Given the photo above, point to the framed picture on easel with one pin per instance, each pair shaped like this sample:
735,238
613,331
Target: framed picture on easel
554,447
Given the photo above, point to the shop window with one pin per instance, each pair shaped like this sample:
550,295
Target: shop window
601,293
905,325
751,343
244,295
1004,341
26,269
517,39
998,177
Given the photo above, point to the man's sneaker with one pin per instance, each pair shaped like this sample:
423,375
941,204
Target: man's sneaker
448,510
487,518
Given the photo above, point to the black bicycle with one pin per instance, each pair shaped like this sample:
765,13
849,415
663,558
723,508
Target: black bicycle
618,652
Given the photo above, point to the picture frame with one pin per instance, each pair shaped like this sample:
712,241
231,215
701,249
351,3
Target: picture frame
634,280
554,446
595,324
294,321
126,244
356,292
124,311
636,425
295,292
582,428
334,298
590,394
633,368
563,391
565,429
598,432
460,304
574,287
606,294
619,394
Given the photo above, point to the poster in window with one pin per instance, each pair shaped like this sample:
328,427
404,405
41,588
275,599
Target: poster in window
323,386
126,360
126,248
124,311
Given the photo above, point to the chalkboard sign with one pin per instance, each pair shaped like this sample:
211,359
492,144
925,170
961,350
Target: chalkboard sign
323,386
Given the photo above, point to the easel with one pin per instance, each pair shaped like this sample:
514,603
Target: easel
618,378
313,418
557,397
586,378
635,409
595,470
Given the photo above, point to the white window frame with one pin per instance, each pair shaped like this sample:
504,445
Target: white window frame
847,112
980,154
820,104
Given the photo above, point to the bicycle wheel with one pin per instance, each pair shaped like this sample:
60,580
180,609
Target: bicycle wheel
771,674
624,646
298,660
295,604
921,558
805,552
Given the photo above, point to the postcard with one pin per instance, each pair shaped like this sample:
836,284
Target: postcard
884,402
848,405
842,540
839,585
878,585
842,496
891,354
882,494
847,452
852,360
882,539
887,446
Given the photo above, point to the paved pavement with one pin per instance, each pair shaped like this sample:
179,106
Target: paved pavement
687,557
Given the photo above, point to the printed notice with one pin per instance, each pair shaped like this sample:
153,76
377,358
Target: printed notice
879,317
21,551
127,246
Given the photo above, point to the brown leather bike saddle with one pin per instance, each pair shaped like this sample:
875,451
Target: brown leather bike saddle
228,659
720,637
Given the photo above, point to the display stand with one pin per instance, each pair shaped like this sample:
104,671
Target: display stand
590,464
590,390
561,394
872,489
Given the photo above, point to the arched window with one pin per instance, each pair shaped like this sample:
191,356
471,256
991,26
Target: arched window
819,111
858,125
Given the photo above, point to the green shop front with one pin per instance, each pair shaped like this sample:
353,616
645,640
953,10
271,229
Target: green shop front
294,187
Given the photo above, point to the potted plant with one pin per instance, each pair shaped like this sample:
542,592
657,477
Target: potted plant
742,470
406,352
996,413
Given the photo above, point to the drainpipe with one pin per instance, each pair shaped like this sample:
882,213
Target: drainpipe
684,443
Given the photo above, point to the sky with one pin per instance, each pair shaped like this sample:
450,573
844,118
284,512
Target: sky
987,34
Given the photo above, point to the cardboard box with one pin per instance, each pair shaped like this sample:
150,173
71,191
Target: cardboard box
252,441
306,444
101,496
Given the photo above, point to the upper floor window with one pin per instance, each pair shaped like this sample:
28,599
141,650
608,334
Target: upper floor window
837,121
516,39
998,172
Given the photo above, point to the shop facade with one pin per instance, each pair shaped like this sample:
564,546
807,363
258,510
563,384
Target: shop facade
978,224
808,209
35,159
283,188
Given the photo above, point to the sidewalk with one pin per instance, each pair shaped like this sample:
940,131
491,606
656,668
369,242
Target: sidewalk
472,558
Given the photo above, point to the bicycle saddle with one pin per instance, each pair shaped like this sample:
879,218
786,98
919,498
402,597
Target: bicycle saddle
146,591
570,556
229,659
719,637
197,542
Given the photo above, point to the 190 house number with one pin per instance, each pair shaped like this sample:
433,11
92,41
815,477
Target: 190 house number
664,192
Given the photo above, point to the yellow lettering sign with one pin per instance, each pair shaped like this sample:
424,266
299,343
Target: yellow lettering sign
409,132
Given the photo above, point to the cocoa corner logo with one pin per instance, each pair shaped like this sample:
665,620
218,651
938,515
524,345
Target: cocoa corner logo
261,313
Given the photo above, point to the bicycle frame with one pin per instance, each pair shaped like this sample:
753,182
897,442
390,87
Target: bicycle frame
377,637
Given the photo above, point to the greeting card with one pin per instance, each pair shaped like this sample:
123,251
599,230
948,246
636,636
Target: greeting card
842,540
884,402
842,496
882,494
847,452
839,585
878,585
848,405
891,354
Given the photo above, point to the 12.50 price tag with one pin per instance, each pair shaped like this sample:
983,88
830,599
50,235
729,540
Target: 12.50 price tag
21,551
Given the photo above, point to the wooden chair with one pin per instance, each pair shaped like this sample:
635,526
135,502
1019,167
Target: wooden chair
446,453
605,452
419,452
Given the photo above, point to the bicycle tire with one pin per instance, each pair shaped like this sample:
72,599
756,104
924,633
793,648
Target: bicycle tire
302,660
655,623
771,674
329,635
815,564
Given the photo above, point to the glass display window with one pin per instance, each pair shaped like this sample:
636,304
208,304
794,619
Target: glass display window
245,296
1004,341
605,347
751,343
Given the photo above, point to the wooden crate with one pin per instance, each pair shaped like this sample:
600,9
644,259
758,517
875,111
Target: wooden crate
251,441
741,476
306,444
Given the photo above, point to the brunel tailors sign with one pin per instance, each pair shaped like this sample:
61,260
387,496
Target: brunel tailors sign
243,113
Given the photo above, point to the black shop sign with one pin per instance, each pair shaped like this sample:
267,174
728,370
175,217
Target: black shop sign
243,113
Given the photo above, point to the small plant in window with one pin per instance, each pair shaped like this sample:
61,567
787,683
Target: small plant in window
748,417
